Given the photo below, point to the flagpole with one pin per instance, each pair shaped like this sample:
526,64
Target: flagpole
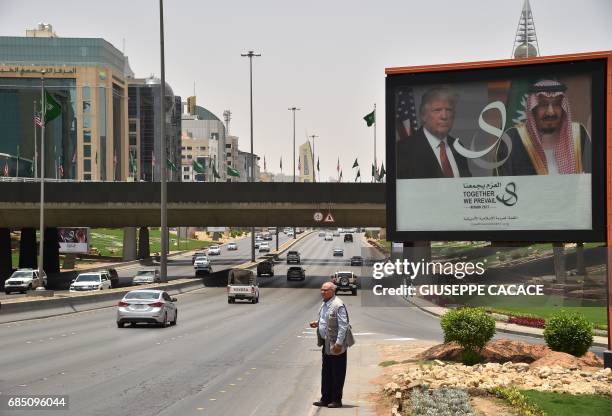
42,176
17,173
375,164
35,146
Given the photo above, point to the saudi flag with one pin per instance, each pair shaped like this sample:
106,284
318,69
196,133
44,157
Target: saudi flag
516,103
382,172
318,170
358,175
215,173
355,164
52,108
370,118
171,165
232,172
133,164
197,167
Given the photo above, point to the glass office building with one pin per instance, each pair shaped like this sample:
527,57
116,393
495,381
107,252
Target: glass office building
88,78
145,151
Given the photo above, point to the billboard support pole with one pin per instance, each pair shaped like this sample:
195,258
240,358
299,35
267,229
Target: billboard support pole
607,355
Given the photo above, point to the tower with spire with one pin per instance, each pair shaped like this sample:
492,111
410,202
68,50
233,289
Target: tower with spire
526,41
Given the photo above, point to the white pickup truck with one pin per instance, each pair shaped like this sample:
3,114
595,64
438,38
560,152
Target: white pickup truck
242,285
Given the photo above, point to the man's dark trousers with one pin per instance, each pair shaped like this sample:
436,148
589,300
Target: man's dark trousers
333,373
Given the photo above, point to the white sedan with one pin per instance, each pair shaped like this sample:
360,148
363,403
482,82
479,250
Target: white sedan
214,251
232,246
147,306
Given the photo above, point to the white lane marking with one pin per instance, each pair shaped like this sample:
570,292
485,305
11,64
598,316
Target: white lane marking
364,333
400,339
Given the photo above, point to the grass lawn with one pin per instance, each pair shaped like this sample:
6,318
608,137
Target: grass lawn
542,306
559,404
109,242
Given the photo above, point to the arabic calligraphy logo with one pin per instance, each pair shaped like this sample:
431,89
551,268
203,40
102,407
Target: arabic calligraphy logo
510,198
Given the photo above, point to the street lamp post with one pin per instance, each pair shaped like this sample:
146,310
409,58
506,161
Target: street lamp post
293,110
42,175
163,260
250,55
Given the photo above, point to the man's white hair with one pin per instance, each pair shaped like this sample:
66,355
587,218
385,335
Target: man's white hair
333,286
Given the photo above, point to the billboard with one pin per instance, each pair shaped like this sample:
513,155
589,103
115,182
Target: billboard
73,240
498,151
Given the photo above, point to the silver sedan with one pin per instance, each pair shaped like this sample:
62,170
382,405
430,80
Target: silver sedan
147,306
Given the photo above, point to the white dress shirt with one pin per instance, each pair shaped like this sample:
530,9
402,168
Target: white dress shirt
434,142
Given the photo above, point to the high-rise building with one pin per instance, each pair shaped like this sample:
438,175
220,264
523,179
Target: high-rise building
87,77
203,140
145,153
244,161
306,164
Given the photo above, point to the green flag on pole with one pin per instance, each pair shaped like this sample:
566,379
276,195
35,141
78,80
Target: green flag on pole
358,174
52,108
215,173
170,165
373,170
370,118
355,165
516,103
197,167
382,172
132,164
318,170
233,172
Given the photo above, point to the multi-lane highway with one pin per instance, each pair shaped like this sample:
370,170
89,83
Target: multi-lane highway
180,266
221,359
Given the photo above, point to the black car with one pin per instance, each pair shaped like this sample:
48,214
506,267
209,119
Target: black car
356,261
296,272
293,257
265,267
348,238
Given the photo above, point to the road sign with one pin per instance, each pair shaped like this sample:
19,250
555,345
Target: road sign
329,218
318,216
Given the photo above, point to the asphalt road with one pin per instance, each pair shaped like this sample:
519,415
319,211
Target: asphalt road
221,359
180,266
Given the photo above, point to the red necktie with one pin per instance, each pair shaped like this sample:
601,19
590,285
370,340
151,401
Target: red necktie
447,171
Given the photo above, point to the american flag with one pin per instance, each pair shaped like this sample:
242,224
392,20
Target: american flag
405,112
38,120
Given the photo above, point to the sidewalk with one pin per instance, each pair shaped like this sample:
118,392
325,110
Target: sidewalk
362,368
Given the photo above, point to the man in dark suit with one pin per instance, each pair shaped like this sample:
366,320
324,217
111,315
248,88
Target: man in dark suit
430,152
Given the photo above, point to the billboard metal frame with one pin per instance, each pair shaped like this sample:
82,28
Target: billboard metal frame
601,64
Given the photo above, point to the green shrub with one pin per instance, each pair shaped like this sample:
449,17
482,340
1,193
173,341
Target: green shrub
569,332
471,328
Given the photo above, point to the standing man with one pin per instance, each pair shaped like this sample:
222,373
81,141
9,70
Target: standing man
333,326
548,142
430,152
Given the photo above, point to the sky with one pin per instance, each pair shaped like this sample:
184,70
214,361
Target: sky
326,57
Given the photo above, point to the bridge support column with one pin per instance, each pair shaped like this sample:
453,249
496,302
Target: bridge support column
6,263
129,243
143,243
51,263
28,249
